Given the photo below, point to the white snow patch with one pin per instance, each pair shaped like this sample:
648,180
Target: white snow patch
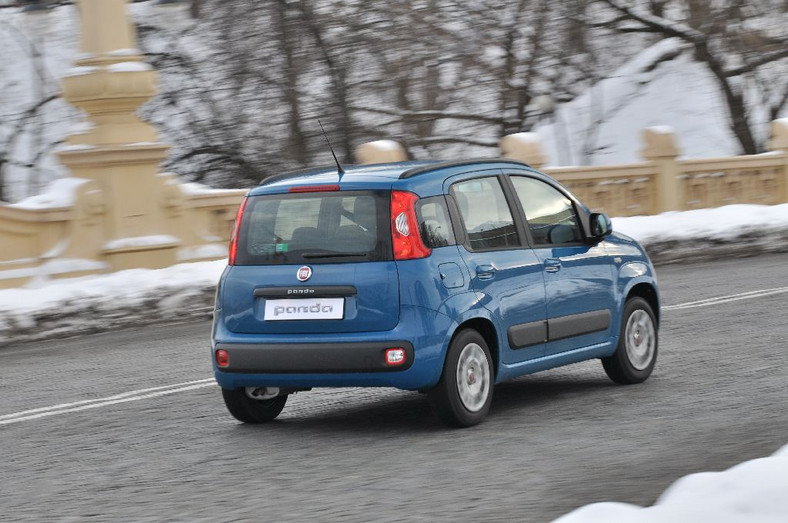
76,147
59,193
141,144
195,189
661,129
527,138
81,127
154,240
80,70
202,252
117,290
129,67
755,491
53,268
718,223
124,52
386,145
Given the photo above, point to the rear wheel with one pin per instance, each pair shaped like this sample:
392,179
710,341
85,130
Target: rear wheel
252,404
463,395
636,353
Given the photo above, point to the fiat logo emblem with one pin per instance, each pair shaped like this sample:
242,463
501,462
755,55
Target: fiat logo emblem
304,273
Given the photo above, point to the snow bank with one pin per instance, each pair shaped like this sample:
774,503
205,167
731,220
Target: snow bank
726,222
57,308
755,491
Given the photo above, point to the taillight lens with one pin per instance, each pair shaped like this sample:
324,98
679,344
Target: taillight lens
405,237
236,228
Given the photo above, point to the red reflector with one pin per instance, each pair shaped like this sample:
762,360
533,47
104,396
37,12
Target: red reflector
313,188
222,358
395,356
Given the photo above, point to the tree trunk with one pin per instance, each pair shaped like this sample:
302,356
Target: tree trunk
734,98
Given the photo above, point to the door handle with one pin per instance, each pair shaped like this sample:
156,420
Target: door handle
552,265
485,272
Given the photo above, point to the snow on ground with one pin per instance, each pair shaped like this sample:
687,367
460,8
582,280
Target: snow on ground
755,491
721,223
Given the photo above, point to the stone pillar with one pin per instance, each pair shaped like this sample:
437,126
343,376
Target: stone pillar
524,147
779,142
115,148
661,149
380,151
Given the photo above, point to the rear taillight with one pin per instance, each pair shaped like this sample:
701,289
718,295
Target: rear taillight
236,229
405,238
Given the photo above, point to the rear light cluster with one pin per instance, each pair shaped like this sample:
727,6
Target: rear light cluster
405,237
236,229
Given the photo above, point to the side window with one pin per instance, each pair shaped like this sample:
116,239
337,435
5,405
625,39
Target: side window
434,223
485,214
551,215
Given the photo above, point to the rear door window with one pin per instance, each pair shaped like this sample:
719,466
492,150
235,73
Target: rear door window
326,227
485,214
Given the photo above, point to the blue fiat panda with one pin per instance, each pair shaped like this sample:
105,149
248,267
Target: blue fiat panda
444,278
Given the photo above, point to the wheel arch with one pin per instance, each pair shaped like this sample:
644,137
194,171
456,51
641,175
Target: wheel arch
648,292
486,329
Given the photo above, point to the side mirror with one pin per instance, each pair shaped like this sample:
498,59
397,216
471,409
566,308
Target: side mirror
601,225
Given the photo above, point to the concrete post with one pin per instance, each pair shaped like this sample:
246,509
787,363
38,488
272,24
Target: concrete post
524,147
380,151
779,142
116,149
661,149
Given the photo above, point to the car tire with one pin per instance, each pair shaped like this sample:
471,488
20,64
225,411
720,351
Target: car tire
243,408
463,395
638,341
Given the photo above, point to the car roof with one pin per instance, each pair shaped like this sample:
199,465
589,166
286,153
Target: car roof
369,176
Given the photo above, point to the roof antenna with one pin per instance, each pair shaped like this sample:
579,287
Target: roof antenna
340,170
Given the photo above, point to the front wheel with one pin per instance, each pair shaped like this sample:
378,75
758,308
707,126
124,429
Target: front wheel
636,353
248,405
463,395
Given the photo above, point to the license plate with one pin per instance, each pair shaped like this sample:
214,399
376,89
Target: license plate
305,309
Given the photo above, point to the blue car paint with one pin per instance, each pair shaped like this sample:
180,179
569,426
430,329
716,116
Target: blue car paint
431,310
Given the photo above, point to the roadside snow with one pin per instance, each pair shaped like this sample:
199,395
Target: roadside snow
755,491
718,223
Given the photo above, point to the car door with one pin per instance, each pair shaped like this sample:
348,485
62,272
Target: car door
505,273
578,274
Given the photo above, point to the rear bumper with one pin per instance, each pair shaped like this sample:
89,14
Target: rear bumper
309,358
336,360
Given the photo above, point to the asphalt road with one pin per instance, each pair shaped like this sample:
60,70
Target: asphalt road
553,441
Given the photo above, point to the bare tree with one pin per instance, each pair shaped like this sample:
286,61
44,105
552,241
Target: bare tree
730,51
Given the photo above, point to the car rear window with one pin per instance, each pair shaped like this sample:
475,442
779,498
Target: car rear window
324,227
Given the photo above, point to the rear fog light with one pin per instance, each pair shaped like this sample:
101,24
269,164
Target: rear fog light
222,358
395,357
